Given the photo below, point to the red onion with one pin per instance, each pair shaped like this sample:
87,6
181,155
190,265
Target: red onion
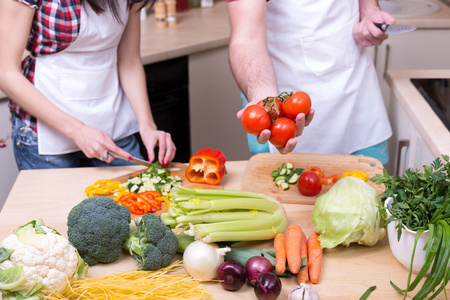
267,286
256,266
232,275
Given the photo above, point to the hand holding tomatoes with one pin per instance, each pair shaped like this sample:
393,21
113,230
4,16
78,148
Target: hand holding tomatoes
279,114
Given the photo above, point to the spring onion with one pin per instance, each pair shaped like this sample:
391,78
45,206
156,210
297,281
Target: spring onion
213,215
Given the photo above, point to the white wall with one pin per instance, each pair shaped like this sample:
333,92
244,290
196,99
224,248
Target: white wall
8,167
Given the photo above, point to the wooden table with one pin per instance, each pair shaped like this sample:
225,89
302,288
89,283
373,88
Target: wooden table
346,274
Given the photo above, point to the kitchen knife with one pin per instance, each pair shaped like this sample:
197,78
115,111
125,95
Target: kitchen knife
390,29
135,160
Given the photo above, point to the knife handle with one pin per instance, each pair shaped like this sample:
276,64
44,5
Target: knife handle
382,26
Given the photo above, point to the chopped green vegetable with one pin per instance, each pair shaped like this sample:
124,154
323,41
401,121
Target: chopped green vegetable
212,215
286,175
153,179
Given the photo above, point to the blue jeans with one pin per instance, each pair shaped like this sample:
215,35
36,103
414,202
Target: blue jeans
25,142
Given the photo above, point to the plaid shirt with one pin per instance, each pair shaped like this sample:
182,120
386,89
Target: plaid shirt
56,24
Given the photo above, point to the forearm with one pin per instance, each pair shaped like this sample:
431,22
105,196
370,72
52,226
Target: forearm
248,55
367,7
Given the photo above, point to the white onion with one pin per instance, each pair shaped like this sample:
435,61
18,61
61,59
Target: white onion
202,260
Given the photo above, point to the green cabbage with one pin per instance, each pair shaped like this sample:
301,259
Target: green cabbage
350,212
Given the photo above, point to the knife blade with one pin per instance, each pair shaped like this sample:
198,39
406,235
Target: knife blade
134,160
391,28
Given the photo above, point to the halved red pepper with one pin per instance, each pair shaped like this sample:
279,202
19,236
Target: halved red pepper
324,180
206,166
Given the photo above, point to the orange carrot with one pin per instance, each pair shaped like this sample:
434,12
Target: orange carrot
280,253
314,257
303,274
293,242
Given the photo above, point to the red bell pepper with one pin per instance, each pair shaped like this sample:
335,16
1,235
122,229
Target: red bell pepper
206,166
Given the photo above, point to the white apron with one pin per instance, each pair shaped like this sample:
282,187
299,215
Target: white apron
313,50
82,80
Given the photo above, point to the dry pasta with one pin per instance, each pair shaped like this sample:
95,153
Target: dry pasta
165,283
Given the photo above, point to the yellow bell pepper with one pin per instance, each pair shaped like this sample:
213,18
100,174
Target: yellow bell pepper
104,187
358,174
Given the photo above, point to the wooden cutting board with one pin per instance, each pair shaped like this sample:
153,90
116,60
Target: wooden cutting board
258,178
176,169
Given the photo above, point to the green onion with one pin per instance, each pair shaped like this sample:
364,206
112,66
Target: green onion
213,215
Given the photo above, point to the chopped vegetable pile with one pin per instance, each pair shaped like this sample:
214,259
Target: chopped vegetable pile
153,179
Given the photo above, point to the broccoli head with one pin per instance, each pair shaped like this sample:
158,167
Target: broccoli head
98,227
153,244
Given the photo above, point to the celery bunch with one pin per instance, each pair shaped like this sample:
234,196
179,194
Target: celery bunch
225,215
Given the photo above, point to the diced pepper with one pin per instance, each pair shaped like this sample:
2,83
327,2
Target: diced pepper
104,187
329,180
140,203
206,166
358,174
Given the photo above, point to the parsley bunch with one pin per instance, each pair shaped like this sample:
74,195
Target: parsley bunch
421,202
417,196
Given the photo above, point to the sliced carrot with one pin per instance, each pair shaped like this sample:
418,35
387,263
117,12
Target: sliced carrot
303,274
280,253
293,243
314,257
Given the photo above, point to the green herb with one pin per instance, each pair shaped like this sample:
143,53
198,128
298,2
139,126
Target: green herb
421,202
368,292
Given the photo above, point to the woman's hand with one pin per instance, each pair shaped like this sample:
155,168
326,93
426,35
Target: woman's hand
95,143
163,140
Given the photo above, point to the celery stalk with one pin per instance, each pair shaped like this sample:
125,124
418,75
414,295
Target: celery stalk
222,216
201,230
250,235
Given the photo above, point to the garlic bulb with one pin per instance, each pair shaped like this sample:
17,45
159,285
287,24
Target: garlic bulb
303,292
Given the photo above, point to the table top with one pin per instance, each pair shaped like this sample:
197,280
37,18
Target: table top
347,272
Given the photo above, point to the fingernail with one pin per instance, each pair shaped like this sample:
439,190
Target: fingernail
130,157
163,163
166,164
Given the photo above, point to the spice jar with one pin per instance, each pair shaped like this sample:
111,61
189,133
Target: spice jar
160,14
171,12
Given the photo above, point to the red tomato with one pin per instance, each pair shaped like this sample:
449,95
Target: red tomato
282,130
299,102
274,108
309,183
255,119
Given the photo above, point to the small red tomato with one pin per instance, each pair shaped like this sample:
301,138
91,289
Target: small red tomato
255,119
299,102
309,183
282,130
273,107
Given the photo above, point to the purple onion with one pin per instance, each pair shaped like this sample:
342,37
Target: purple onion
232,275
256,266
267,286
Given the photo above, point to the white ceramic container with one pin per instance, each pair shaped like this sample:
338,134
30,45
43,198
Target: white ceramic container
403,248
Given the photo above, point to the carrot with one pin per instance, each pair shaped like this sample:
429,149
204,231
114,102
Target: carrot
314,257
293,243
280,253
303,274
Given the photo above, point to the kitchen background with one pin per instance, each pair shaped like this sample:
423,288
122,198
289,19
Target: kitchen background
193,93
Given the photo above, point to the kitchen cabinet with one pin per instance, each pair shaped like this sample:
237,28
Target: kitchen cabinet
8,170
214,101
425,48
408,147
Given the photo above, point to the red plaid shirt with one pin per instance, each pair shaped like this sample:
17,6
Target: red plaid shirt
55,26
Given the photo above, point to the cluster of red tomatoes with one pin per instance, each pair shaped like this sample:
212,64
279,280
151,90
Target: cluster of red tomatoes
276,114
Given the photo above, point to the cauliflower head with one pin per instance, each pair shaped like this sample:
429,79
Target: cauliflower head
35,259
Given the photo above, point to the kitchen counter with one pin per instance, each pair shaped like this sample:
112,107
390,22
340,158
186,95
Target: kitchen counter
431,128
202,29
347,272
